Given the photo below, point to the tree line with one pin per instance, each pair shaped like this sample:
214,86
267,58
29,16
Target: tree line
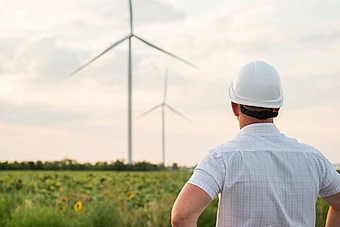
69,164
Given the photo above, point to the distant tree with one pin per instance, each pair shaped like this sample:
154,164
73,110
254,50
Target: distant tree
118,165
174,166
20,166
48,165
16,165
144,166
4,166
31,165
87,166
69,164
40,165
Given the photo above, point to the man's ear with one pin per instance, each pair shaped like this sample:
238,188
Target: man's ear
235,108
276,110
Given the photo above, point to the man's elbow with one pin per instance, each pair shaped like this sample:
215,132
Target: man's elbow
175,222
176,219
180,220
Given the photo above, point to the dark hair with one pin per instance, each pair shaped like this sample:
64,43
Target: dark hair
260,113
258,109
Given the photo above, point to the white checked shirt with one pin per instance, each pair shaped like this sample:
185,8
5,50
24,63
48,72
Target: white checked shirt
264,178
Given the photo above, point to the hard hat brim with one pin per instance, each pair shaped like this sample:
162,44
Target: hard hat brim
234,97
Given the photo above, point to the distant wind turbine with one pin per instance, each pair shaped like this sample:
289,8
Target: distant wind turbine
163,105
128,37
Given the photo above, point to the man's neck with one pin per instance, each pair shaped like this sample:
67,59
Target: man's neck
248,121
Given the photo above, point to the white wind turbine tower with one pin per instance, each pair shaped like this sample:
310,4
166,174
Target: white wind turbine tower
129,37
163,105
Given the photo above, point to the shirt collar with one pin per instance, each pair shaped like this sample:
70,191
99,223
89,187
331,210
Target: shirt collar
259,129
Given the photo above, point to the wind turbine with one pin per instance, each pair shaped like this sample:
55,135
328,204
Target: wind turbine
163,105
129,37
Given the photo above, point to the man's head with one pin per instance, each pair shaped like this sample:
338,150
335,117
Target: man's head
256,93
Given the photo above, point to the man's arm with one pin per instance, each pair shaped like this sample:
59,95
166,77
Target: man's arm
333,216
189,205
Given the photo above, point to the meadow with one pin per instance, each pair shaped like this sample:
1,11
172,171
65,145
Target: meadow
75,198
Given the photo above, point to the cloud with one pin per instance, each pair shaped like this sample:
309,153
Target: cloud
9,46
104,17
326,38
155,11
45,58
35,115
305,91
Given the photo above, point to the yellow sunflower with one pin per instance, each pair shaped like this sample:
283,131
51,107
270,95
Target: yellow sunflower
28,202
130,196
78,206
62,209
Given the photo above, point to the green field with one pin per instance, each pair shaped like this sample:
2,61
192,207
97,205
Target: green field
97,199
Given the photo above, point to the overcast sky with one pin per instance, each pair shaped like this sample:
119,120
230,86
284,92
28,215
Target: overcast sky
47,115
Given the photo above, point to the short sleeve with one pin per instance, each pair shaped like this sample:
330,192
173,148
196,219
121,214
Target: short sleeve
209,174
331,180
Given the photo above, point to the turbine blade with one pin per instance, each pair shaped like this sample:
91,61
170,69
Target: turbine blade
109,48
149,111
131,17
178,113
166,52
165,84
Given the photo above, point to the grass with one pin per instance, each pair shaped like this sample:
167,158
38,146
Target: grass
128,199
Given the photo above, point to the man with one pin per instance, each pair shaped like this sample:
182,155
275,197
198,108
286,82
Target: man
262,177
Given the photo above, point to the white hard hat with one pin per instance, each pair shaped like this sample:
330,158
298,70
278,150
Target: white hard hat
257,84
